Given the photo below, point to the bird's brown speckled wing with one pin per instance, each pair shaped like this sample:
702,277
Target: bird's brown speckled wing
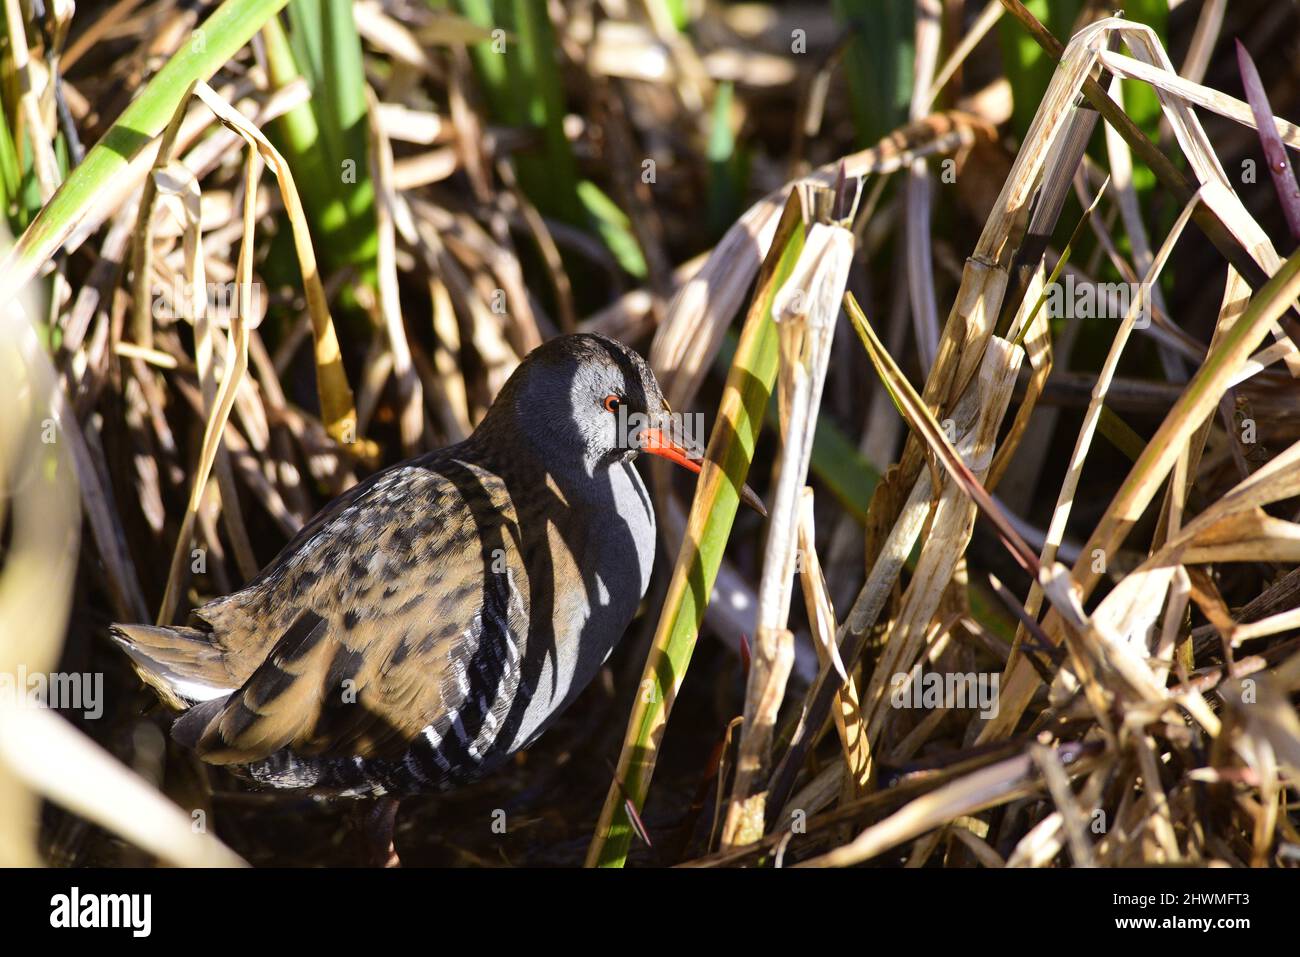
360,633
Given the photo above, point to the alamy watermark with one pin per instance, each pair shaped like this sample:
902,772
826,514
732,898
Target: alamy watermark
133,912
220,300
61,690
1068,299
684,428
934,689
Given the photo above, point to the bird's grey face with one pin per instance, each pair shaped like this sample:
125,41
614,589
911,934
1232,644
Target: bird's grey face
612,404
584,402
591,401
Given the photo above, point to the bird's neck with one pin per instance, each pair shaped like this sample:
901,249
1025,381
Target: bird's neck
500,444
519,439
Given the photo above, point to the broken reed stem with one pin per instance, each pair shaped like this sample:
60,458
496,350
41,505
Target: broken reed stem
713,510
805,310
847,713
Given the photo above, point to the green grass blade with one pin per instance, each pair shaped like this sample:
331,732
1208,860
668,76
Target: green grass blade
878,64
348,133
676,12
1029,68
727,165
522,84
490,60
836,461
749,386
523,87
296,134
11,179
327,52
307,40
614,228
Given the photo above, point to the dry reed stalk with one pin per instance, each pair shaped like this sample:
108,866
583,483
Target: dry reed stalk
917,190
989,787
951,522
804,309
699,313
236,358
393,217
817,600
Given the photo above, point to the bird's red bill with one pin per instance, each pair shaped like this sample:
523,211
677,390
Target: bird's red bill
656,442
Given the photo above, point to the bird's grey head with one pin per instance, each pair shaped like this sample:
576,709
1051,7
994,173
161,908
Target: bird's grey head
583,402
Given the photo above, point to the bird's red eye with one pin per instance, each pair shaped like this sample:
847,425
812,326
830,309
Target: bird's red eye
611,403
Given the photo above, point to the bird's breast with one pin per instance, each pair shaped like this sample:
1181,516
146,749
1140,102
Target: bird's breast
601,554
